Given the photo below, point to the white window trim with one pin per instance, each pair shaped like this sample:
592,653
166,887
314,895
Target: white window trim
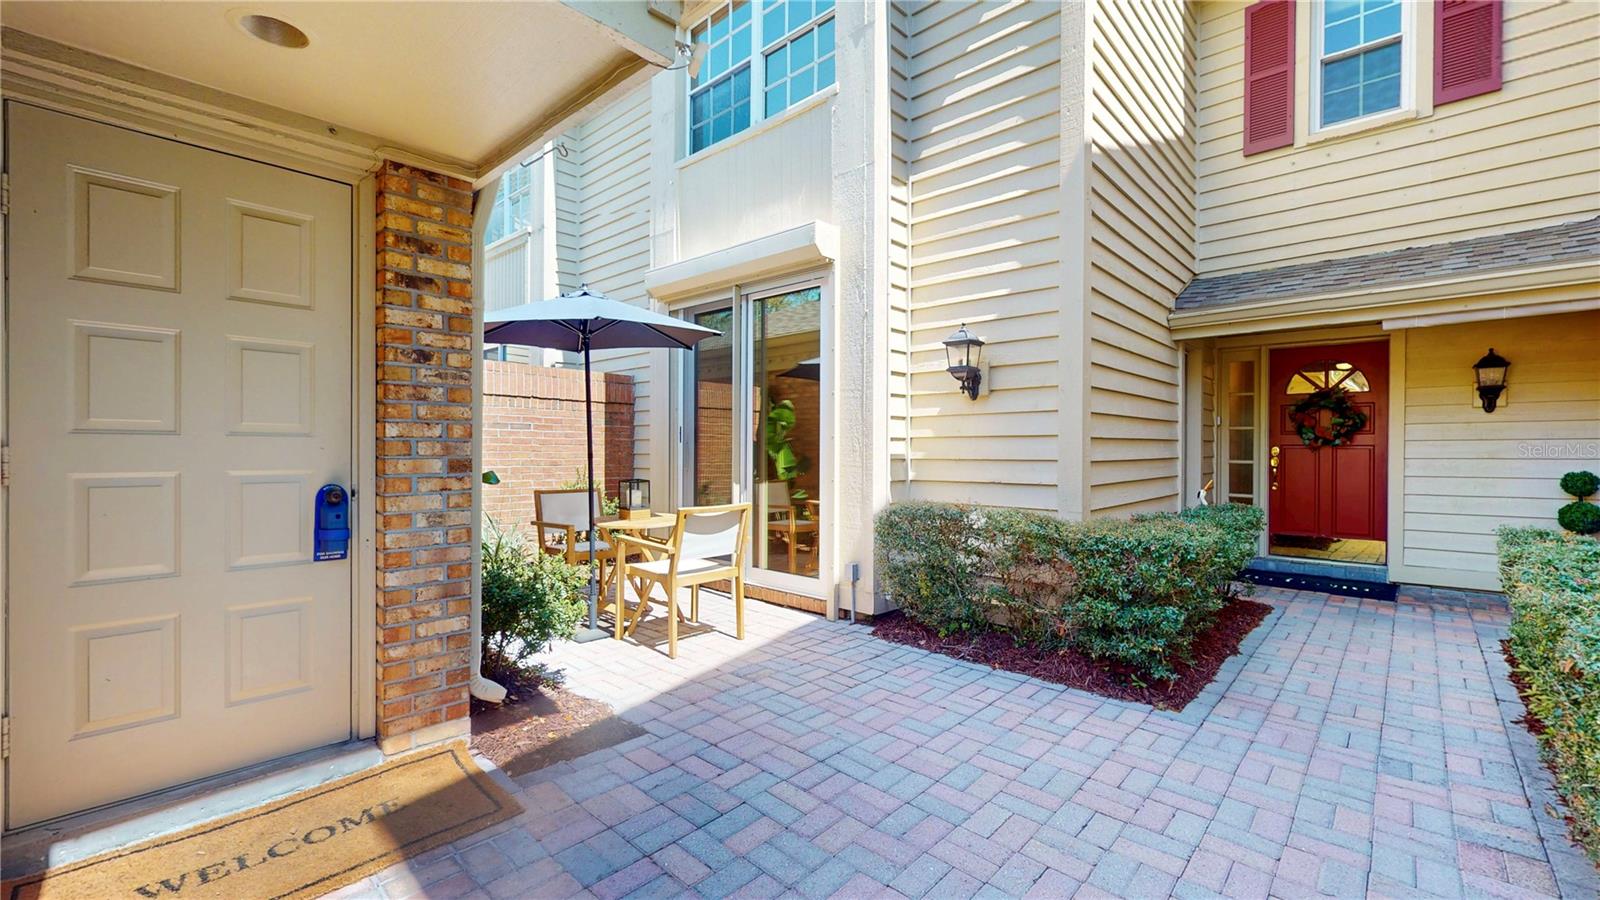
759,47
1416,80
495,210
1408,74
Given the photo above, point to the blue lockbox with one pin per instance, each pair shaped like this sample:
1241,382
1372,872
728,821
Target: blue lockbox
332,523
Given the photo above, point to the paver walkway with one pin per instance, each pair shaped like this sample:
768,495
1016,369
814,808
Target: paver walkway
1354,748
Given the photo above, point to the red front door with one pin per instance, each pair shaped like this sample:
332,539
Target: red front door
1329,492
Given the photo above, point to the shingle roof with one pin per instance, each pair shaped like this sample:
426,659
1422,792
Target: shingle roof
1566,242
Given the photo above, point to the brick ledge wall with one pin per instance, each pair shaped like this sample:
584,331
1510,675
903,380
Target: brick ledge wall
533,433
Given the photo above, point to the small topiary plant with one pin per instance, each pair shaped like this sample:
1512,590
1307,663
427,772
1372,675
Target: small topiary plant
1580,516
1582,485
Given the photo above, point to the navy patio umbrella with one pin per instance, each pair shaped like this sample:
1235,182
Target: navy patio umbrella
580,322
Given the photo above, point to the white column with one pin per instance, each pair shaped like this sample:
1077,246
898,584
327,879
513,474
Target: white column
860,196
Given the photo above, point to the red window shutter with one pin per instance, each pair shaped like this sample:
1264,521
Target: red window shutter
1268,75
1466,49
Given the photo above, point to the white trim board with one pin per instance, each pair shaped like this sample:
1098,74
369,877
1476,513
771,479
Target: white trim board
794,248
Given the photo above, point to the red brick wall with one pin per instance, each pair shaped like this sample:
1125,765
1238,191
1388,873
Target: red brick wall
425,469
533,434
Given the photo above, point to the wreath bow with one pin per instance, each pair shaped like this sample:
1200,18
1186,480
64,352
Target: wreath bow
1345,423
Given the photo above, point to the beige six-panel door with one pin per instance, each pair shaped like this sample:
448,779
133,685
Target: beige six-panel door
179,378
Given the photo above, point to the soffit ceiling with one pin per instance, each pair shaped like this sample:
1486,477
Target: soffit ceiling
455,80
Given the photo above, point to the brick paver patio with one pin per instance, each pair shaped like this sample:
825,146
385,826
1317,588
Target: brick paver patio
1353,748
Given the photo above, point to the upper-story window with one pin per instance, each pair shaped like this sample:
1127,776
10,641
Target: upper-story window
1361,49
510,212
757,65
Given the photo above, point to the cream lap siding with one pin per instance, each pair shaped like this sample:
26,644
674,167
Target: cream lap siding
566,173
982,135
610,209
1513,159
899,319
1467,472
1141,203
772,177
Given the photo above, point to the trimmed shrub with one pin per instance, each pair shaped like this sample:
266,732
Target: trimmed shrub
929,553
1579,517
530,598
1553,584
1131,592
1580,484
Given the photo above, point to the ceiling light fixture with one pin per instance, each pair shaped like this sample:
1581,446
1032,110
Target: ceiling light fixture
274,31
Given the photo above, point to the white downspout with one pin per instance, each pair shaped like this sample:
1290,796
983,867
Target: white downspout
482,204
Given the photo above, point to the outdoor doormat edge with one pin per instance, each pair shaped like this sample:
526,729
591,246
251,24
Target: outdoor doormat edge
1344,587
393,819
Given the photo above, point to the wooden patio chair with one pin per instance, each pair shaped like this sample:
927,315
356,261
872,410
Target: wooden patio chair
562,522
707,545
784,521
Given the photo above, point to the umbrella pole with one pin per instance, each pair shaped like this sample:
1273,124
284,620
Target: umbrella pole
593,632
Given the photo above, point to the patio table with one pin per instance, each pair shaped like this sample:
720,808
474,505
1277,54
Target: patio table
652,521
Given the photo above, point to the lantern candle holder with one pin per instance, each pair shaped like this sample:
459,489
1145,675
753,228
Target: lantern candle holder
633,500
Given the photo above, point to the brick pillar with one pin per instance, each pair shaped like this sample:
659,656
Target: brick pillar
425,467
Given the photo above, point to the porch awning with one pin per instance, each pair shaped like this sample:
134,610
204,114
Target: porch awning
1535,266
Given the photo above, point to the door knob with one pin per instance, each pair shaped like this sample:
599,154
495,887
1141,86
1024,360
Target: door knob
1273,462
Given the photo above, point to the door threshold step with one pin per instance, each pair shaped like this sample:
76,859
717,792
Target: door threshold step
79,836
1327,584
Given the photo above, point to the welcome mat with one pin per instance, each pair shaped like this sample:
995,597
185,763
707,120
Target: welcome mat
304,845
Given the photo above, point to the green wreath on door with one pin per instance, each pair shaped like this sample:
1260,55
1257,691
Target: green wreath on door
1345,423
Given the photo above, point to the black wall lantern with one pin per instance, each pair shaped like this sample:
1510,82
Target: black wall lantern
963,353
1491,375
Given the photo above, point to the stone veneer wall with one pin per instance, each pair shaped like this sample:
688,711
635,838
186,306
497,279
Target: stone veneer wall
425,468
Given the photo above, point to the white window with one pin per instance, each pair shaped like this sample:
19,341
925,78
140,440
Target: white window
757,65
1361,59
510,212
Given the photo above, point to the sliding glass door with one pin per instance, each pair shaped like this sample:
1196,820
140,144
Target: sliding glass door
754,425
710,429
786,420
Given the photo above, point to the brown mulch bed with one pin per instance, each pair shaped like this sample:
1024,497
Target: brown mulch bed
541,724
1074,669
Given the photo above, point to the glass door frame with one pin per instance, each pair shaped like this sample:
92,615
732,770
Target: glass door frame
742,298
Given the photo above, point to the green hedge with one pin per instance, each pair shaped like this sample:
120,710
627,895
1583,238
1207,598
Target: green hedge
1553,583
1131,592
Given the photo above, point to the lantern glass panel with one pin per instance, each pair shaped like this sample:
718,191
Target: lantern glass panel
635,494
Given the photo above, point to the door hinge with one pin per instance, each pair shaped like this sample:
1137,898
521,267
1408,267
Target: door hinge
5,466
5,193
5,737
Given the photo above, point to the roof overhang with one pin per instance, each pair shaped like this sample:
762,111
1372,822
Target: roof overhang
468,88
1487,290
